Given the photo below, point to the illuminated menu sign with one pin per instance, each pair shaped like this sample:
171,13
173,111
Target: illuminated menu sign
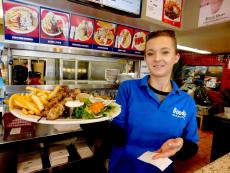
81,32
104,35
54,27
123,39
29,23
138,42
21,22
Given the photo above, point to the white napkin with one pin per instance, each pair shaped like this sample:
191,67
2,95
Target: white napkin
161,163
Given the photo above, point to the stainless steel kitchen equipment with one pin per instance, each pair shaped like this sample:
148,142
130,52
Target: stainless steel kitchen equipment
62,68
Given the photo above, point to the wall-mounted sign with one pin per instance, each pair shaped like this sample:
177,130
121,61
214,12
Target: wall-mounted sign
172,12
30,23
167,11
81,31
54,27
138,42
123,39
21,22
154,9
104,35
213,11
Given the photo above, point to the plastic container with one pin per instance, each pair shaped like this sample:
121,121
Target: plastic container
34,78
10,121
2,89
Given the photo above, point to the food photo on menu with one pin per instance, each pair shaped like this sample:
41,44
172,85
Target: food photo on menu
54,25
81,29
172,9
123,37
172,12
21,20
139,40
104,33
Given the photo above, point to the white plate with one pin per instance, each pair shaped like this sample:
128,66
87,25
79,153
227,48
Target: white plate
57,33
19,114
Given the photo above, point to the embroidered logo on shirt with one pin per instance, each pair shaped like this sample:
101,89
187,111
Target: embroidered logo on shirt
178,113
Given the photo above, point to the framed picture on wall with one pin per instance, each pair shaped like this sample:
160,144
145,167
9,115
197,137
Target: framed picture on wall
209,76
194,74
213,77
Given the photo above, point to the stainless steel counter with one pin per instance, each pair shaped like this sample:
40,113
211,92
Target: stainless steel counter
83,85
38,133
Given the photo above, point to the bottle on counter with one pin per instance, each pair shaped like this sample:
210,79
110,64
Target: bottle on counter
2,88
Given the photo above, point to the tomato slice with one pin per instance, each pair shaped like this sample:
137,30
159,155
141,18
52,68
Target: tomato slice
96,107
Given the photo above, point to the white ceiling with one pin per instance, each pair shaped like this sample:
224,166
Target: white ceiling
215,38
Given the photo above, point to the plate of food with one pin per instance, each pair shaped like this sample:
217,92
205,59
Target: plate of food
125,38
62,106
52,24
84,30
21,20
139,40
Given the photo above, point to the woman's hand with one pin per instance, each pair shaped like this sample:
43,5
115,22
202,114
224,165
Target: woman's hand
169,148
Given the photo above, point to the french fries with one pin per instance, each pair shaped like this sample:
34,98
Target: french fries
32,103
37,90
54,92
38,102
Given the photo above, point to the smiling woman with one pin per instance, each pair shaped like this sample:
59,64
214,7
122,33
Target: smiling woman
155,114
153,106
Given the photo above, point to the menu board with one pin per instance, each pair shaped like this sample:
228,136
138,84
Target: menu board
138,42
167,11
104,35
54,27
21,22
123,40
81,31
30,23
172,12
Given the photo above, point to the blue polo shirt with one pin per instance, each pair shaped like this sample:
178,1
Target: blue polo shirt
149,123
